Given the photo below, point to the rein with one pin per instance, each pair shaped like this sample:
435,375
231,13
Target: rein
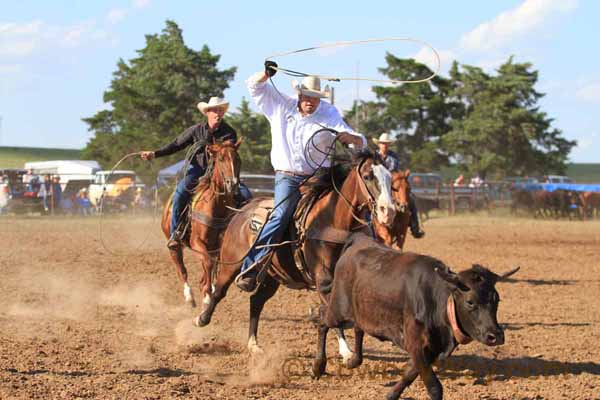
369,202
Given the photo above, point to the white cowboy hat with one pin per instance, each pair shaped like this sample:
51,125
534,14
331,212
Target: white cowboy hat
311,87
214,102
383,138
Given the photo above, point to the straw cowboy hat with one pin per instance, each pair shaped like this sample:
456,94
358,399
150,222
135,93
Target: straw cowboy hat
214,102
311,87
383,138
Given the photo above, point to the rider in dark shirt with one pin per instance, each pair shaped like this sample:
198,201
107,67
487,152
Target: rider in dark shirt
213,130
391,161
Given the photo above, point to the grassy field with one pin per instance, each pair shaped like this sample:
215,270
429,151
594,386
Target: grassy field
16,157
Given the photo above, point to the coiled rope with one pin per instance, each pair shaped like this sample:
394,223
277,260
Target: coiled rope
354,78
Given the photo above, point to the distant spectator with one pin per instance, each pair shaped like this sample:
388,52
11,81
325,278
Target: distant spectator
56,193
476,182
27,178
3,195
460,181
83,203
45,192
67,204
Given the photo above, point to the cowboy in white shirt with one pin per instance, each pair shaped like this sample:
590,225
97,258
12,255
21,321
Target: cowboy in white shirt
293,123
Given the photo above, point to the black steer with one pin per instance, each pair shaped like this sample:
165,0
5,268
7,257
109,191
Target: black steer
413,300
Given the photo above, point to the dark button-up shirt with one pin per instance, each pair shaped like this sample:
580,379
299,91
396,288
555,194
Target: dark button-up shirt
391,161
199,136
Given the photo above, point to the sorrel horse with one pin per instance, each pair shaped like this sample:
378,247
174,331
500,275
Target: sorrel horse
332,218
209,216
394,235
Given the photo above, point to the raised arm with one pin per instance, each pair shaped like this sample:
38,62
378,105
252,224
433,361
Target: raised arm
266,97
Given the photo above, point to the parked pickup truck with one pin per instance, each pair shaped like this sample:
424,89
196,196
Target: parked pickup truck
112,184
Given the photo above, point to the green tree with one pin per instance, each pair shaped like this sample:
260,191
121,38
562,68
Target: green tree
255,130
503,131
153,97
418,114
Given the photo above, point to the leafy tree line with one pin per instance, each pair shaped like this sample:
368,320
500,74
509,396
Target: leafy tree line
489,124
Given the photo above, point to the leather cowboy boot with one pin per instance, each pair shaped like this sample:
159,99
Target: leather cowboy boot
415,229
247,282
174,242
250,279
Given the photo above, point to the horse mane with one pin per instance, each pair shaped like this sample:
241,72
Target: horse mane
323,180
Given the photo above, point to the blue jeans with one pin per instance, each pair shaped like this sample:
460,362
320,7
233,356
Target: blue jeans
287,193
183,193
243,194
185,190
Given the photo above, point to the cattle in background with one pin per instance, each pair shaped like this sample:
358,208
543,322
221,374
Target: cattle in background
413,300
425,205
590,204
521,199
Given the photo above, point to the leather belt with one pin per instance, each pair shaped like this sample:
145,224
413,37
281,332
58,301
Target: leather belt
291,173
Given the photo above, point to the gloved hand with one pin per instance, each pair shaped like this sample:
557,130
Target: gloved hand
268,70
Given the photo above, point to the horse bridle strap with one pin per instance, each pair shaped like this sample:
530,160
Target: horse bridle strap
359,207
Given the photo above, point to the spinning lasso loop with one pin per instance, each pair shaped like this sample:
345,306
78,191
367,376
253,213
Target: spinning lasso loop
101,211
355,42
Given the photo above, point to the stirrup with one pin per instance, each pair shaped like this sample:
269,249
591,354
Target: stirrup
175,240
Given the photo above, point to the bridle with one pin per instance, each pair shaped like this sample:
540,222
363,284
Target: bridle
370,203
221,175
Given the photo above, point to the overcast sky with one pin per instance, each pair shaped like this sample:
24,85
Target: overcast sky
57,57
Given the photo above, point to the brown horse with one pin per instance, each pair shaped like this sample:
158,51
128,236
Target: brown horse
395,235
331,219
210,213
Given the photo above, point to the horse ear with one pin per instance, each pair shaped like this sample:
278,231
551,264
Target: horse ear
239,142
212,148
407,173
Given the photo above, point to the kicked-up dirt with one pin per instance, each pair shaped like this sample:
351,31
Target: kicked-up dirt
77,321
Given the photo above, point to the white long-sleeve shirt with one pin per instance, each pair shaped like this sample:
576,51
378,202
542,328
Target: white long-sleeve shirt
290,131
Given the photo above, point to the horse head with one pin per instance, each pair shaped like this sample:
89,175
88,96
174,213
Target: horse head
375,183
401,190
394,235
226,166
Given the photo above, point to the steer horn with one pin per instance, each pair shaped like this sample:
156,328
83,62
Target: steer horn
505,275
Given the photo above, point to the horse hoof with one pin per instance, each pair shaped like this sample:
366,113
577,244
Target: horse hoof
201,322
353,362
318,368
392,396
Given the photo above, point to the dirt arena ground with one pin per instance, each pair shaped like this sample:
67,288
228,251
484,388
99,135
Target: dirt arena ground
78,322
